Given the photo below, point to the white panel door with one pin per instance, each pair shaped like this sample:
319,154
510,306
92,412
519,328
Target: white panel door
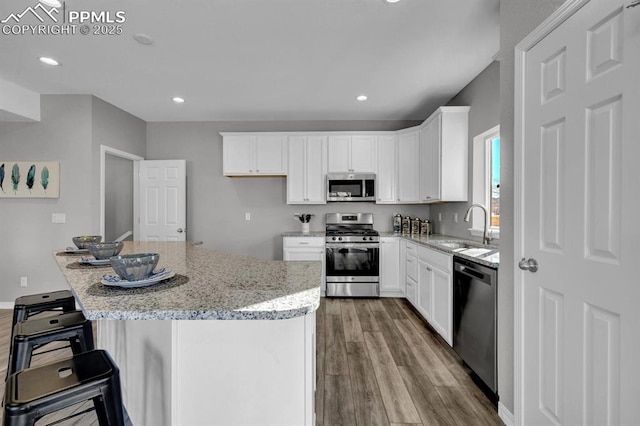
579,201
163,195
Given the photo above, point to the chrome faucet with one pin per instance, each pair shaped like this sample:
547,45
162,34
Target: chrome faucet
485,238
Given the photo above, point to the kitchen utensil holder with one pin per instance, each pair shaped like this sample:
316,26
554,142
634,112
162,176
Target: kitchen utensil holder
305,228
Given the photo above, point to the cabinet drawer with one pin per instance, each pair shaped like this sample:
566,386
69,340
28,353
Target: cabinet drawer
436,258
412,268
412,249
303,242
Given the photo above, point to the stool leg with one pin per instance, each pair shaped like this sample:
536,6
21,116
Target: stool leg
20,356
112,404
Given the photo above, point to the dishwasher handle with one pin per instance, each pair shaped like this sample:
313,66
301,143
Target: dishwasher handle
470,272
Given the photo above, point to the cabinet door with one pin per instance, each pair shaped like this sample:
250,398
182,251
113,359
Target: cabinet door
430,172
271,155
363,154
390,266
316,170
408,168
297,170
386,172
237,153
425,290
442,314
411,292
338,149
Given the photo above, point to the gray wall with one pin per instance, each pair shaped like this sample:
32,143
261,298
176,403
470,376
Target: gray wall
518,18
216,205
70,131
118,197
483,96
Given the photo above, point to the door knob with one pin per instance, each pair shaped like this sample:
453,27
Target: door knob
530,264
181,230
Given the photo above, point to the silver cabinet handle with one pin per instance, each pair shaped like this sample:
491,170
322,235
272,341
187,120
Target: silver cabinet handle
530,265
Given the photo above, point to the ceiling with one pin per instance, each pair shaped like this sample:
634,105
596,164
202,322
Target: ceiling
263,59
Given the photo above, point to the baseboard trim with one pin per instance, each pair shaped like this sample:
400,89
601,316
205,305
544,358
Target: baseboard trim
505,415
395,293
6,305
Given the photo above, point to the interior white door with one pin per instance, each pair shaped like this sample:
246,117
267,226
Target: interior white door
163,200
578,201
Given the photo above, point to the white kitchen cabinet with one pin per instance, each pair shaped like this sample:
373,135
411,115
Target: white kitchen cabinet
254,154
391,282
444,143
409,167
352,154
306,183
411,272
435,290
386,173
305,249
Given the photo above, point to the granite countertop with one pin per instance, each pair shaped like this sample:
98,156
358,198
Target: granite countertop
208,285
302,234
431,241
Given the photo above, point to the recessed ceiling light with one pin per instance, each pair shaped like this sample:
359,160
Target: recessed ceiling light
49,61
393,1
361,98
143,39
52,3
178,100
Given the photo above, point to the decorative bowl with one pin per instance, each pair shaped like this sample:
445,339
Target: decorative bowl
84,240
134,267
105,250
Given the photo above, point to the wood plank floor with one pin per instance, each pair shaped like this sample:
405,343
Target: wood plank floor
379,363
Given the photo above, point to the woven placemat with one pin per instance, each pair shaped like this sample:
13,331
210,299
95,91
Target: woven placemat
64,253
78,265
99,289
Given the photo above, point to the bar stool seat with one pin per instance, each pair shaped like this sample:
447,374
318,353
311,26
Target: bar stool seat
32,334
35,392
25,306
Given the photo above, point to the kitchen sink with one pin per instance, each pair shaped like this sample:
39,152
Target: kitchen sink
456,245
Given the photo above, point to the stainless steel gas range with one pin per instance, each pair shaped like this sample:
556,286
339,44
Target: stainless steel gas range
353,255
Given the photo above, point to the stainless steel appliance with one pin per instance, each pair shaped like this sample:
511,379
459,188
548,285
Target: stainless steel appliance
475,320
353,255
351,187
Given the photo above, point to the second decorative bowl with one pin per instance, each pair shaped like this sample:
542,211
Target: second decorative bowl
105,250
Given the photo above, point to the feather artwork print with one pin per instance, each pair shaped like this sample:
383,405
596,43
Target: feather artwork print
15,177
31,177
2,177
44,178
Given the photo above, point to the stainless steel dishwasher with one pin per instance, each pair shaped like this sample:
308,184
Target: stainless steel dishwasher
475,320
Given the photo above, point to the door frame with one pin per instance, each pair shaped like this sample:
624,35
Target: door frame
556,19
104,150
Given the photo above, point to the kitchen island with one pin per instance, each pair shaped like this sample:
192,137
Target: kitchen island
228,340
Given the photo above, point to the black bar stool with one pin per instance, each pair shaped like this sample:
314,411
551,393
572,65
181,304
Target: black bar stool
32,334
35,392
32,304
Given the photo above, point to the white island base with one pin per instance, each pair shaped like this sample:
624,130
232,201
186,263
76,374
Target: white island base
215,372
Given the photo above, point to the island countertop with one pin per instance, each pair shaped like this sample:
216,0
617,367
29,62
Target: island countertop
208,285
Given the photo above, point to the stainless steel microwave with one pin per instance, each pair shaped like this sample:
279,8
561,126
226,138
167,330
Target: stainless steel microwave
351,187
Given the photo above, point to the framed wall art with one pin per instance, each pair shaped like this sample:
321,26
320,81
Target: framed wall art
29,179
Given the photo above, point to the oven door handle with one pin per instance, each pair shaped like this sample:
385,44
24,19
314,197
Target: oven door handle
352,245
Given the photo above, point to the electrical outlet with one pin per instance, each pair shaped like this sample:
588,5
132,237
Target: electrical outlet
23,281
58,218
247,216
455,217
439,217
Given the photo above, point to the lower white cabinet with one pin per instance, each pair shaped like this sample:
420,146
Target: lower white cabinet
305,249
435,290
391,282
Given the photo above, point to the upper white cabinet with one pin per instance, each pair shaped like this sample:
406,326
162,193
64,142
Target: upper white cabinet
386,173
254,154
444,142
306,183
352,153
408,188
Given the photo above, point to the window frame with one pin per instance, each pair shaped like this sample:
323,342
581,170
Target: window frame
481,183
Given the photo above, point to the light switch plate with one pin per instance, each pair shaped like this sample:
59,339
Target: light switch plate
58,218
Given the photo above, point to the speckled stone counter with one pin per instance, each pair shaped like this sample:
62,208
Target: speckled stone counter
302,234
214,286
431,241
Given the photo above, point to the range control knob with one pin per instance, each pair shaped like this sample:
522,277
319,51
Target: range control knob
370,238
364,238
339,238
334,238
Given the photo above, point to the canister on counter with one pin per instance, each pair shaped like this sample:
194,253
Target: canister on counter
397,223
415,226
425,228
406,225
